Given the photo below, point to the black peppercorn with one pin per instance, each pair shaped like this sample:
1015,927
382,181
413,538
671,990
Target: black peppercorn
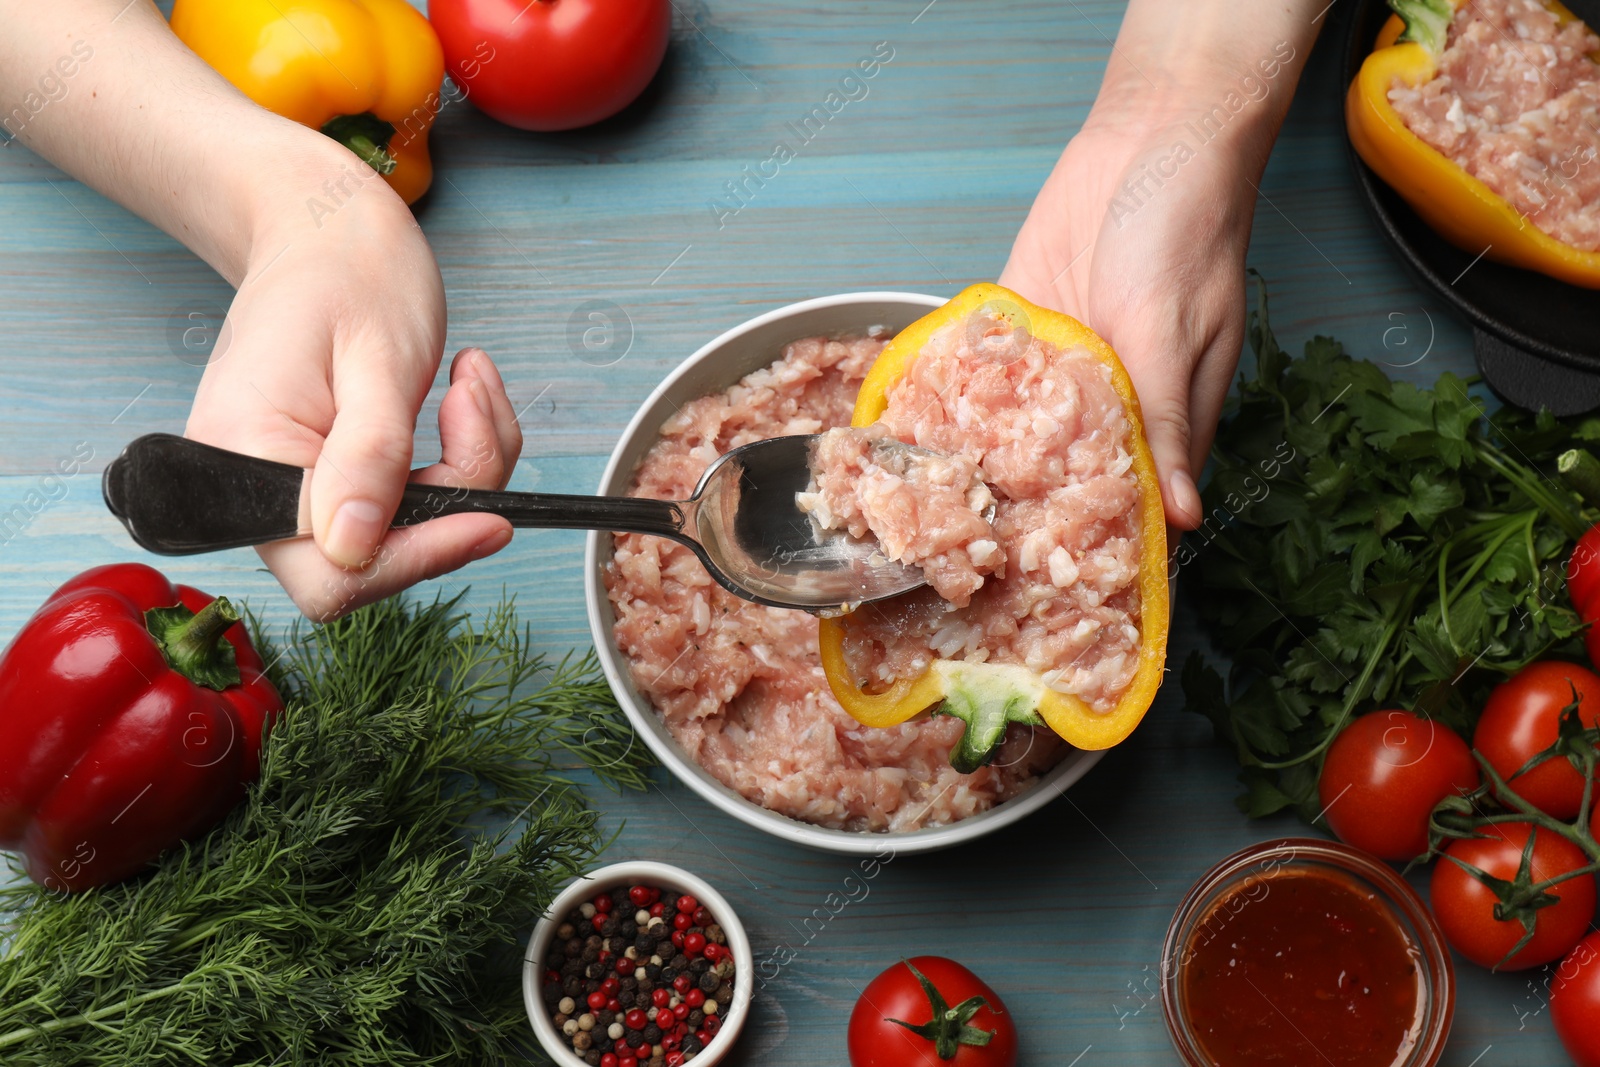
709,983
699,966
652,1034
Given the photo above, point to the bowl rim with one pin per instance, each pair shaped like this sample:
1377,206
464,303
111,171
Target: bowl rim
645,721
666,876
1262,860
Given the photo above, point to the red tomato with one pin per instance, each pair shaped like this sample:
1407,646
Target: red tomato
1382,777
1464,906
1521,719
897,993
552,64
1575,1002
1583,575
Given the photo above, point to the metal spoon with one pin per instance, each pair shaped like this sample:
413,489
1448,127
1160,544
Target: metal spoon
179,497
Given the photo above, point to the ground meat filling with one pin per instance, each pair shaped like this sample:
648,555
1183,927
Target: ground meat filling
1516,103
1048,433
924,508
740,686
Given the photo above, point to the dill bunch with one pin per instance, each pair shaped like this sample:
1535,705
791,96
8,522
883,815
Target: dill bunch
354,909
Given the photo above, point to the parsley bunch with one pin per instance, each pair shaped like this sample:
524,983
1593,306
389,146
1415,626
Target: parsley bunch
351,911
1369,544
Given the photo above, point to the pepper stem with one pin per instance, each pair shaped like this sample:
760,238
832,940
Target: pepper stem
1581,471
988,702
367,136
950,1028
192,642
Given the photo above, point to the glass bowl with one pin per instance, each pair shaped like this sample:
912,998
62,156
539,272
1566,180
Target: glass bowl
1229,887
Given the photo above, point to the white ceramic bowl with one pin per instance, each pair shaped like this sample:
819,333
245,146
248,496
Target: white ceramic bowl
714,367
665,877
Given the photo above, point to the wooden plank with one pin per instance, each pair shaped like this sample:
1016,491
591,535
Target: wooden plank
919,184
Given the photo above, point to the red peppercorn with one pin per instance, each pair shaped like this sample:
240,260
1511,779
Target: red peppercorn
714,952
638,896
552,976
626,966
682,921
644,1051
682,983
635,1019
660,997
694,998
713,1024
702,917
613,1005
669,1041
681,1011
602,903
694,944
609,1060
687,903
610,986
596,1000
664,1018
627,1061
703,1037
598,921
674,1059
657,910
677,938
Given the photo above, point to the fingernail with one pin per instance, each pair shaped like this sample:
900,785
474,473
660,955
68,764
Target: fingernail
1185,497
493,543
480,395
356,529
486,369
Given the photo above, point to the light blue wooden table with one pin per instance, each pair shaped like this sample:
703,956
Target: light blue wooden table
919,185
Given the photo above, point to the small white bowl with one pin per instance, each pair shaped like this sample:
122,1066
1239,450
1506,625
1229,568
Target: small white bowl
717,365
639,872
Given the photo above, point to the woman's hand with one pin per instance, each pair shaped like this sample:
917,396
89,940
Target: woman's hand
1160,278
1141,229
329,350
337,327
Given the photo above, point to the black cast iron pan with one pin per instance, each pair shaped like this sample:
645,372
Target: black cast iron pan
1536,339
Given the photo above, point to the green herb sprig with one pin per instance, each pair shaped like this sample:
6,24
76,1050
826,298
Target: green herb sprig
352,911
1371,543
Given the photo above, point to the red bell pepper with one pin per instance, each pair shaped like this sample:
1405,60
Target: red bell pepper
132,713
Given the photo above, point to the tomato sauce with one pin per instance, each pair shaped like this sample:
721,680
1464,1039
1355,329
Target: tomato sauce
1302,967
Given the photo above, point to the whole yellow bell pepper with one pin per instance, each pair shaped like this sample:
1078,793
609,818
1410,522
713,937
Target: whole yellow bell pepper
988,696
365,72
1462,209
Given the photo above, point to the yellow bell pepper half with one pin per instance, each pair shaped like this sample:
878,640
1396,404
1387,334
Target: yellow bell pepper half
1462,209
365,72
990,695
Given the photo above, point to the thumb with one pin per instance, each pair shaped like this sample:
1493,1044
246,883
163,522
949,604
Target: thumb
1164,403
362,470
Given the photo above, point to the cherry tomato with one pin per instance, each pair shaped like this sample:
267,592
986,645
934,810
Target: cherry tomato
1583,575
1382,777
898,993
551,64
1464,906
1521,719
1575,1002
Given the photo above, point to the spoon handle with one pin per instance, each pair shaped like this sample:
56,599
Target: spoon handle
178,497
